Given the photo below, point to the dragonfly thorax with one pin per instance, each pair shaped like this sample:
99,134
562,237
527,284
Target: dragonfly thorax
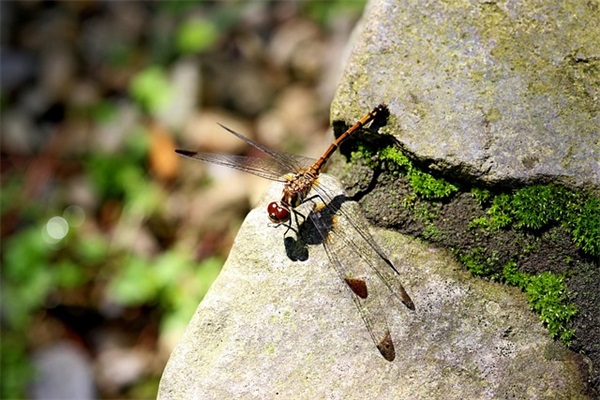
294,192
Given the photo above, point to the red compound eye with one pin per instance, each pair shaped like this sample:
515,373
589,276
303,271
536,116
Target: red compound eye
277,213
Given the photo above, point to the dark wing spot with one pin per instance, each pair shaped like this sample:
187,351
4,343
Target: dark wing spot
386,347
358,286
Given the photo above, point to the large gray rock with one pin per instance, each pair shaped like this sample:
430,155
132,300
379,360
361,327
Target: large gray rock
495,90
271,327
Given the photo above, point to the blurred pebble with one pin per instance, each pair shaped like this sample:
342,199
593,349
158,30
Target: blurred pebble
271,128
101,41
307,61
18,132
34,101
131,235
288,37
213,207
84,93
248,90
110,135
246,87
81,191
58,71
295,119
297,106
129,18
256,187
17,68
118,367
185,86
334,58
63,371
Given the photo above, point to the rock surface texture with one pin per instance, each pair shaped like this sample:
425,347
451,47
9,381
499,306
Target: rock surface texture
271,327
499,93
503,92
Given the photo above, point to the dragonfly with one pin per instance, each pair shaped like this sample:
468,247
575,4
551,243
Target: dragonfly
358,259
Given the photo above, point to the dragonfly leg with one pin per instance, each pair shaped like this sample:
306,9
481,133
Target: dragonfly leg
312,198
288,226
290,222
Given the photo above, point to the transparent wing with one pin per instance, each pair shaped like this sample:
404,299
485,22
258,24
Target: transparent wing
263,167
353,268
369,250
287,161
272,168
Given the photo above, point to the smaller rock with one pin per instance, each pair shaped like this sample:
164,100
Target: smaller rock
63,371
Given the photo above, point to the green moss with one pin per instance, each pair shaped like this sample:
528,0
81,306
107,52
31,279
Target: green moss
397,157
536,206
513,277
423,184
547,295
481,195
499,214
426,214
584,225
540,206
428,187
479,261
533,208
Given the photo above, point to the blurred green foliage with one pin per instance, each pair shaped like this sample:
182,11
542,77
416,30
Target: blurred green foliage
37,267
196,35
16,370
33,270
150,88
325,11
103,111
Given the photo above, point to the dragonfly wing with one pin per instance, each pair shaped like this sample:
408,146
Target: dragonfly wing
263,167
288,162
380,264
354,272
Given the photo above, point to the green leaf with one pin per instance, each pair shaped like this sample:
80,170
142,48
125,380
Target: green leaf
151,88
14,364
68,274
136,283
196,35
92,248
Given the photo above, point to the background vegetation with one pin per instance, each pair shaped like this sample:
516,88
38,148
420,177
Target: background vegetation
109,241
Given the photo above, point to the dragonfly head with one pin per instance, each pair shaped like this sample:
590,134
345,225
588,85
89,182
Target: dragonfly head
278,213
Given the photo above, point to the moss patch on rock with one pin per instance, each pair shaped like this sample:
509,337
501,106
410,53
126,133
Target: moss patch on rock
542,238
